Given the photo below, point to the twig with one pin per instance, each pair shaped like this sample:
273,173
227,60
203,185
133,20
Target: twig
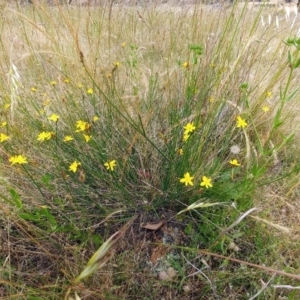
199,271
277,272
265,285
289,287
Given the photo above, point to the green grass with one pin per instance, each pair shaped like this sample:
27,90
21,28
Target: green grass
186,116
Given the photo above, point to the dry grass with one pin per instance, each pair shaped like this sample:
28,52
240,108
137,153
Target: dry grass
133,57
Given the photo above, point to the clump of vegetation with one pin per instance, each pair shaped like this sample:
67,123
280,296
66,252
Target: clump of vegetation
142,149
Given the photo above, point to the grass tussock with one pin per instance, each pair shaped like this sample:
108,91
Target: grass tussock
140,145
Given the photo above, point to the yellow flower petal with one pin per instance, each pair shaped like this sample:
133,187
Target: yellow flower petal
3,137
90,91
187,179
234,162
68,138
18,159
265,108
189,128
206,182
87,137
54,117
45,136
241,123
110,165
74,166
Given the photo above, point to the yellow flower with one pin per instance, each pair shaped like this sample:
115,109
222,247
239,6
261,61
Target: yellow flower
3,124
54,118
187,179
66,80
116,64
186,136
44,136
87,137
82,126
269,94
90,91
123,45
3,137
110,165
53,82
80,85
33,89
241,123
68,138
265,108
18,159
6,106
189,128
95,118
206,182
234,162
185,65
46,102
74,166
180,151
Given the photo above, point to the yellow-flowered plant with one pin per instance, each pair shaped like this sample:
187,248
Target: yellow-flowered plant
265,108
54,117
206,182
269,94
185,65
45,136
3,137
189,128
90,91
186,136
46,102
234,162
18,159
240,122
82,126
87,137
187,179
68,138
110,165
74,166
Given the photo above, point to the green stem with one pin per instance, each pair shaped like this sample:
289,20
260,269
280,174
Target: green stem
34,182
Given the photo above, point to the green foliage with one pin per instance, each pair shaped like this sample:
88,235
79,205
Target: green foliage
101,118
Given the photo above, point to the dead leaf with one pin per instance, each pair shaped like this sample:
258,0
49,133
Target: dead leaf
81,176
153,226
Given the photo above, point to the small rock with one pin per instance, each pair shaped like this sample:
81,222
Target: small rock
186,288
163,276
